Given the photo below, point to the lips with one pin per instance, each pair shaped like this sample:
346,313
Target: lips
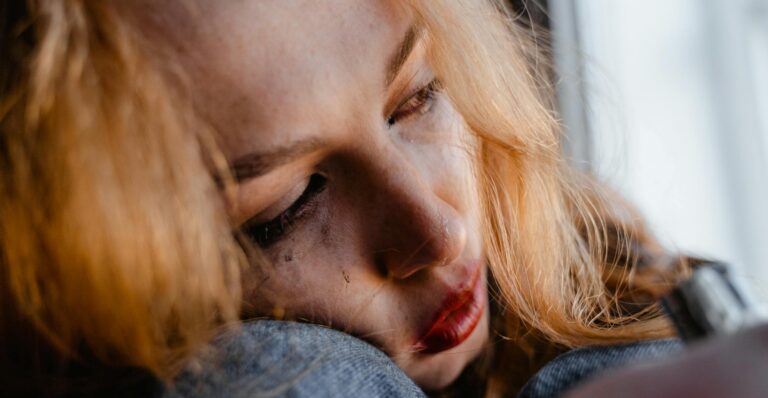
458,316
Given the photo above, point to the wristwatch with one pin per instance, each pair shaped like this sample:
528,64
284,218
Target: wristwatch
710,303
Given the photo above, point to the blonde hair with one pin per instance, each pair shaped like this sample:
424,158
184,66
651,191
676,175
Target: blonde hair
573,263
114,243
114,239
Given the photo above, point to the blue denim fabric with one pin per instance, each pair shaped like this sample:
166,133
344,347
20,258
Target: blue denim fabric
576,366
288,359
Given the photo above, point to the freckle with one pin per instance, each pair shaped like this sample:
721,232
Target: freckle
325,233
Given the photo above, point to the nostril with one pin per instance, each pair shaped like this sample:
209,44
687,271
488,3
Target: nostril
386,262
437,244
411,227
397,264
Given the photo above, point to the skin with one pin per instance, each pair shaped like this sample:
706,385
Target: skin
396,228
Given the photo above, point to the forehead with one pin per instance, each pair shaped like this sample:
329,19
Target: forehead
284,65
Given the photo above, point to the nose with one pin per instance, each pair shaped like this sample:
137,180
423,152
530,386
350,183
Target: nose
415,227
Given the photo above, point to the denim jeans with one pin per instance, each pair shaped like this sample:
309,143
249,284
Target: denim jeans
287,359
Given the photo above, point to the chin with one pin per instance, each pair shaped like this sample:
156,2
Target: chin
436,371
443,377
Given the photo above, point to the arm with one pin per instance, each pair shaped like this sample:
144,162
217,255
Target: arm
276,359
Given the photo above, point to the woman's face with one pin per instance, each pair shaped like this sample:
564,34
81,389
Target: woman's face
353,171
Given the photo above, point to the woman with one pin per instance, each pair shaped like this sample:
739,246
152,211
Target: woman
392,168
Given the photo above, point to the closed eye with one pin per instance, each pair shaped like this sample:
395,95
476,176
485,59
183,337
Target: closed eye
267,233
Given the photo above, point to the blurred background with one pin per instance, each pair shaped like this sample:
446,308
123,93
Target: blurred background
667,100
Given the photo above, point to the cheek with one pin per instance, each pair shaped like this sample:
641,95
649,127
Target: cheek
329,285
442,148
316,274
298,273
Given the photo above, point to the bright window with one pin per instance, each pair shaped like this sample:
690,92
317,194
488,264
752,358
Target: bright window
671,99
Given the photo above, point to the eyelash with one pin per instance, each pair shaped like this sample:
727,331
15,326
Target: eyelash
418,103
267,233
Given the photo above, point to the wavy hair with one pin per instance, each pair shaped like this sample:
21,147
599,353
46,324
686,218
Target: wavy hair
114,240
573,263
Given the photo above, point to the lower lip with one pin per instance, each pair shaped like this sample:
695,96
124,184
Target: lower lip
455,323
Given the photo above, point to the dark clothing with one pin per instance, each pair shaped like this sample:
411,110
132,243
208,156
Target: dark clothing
576,366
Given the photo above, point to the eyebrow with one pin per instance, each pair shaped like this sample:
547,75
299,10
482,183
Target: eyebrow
255,165
401,55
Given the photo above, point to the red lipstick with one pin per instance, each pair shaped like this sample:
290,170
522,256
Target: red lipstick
457,318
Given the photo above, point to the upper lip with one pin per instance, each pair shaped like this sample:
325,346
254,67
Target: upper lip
455,299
